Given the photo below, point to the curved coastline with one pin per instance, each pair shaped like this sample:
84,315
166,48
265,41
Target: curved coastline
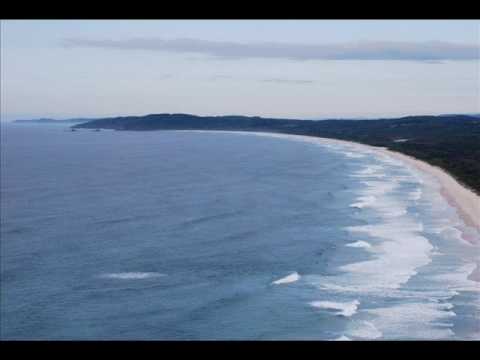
464,201
358,245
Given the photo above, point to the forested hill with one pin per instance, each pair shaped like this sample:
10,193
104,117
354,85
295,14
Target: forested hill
449,141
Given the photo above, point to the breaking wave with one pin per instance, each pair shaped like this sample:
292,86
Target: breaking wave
131,275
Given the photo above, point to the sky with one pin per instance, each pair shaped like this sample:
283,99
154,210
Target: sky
273,68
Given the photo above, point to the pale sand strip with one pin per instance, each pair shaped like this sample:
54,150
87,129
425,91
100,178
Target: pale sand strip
464,200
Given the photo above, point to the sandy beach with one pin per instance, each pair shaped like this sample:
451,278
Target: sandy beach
464,200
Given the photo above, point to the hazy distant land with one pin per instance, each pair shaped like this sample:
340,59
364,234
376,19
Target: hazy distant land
52,121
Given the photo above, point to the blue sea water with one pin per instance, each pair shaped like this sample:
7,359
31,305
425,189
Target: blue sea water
213,235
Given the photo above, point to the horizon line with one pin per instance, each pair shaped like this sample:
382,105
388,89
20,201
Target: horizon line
309,118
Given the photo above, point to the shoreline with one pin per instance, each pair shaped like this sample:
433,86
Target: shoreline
465,201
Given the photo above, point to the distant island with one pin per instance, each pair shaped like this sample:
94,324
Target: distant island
52,121
451,142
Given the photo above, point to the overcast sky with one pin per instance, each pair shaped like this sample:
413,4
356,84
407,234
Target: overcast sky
296,69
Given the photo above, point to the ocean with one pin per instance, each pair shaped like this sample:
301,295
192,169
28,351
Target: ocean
191,235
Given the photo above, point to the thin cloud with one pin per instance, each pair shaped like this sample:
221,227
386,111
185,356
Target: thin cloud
219,77
287,81
375,50
268,80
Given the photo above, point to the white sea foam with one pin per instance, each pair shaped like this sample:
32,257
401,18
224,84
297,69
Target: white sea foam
364,201
389,160
400,249
456,279
414,320
131,275
416,194
435,252
370,171
346,309
402,252
378,195
353,155
452,232
359,244
364,330
343,338
287,279
380,187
